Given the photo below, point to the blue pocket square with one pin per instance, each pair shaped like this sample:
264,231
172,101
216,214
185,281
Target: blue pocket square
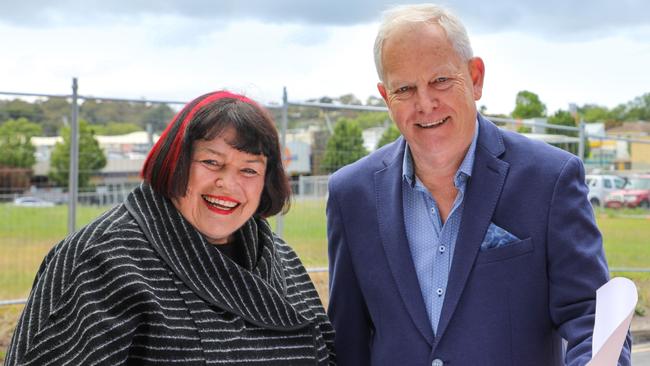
497,237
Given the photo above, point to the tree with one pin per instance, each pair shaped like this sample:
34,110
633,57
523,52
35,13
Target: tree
375,101
564,118
17,108
638,109
594,113
371,119
16,149
102,112
56,113
349,99
158,116
91,156
528,105
325,99
115,128
345,146
390,134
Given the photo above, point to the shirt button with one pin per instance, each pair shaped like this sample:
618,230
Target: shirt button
441,248
437,362
439,291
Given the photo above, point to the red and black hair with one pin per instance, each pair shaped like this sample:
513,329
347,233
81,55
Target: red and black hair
167,167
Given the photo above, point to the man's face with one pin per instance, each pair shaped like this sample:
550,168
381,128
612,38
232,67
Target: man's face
430,91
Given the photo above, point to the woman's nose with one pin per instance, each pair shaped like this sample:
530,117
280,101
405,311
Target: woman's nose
225,179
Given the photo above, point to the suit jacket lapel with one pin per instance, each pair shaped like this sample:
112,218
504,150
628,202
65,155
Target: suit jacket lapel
482,194
388,185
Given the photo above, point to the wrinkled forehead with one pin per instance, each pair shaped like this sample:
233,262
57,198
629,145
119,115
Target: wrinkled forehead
424,50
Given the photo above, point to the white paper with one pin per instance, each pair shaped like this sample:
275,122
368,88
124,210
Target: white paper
615,303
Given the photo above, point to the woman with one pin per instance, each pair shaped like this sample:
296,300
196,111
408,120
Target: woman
186,271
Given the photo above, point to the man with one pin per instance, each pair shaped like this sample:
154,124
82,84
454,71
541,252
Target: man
459,243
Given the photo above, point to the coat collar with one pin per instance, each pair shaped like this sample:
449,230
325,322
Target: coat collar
257,292
482,194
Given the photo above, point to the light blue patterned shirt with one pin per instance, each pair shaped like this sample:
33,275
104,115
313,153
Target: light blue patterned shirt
432,243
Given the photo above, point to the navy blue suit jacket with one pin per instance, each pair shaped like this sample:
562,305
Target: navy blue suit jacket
510,305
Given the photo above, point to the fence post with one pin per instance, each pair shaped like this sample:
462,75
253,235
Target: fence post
73,182
279,221
301,186
583,137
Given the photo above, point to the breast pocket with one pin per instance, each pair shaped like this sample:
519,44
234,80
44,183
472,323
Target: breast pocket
511,250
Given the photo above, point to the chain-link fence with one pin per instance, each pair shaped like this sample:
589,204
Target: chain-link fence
73,180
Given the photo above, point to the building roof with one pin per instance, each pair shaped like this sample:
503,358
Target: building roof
638,128
138,137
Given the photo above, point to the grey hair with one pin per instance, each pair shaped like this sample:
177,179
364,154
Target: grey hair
402,15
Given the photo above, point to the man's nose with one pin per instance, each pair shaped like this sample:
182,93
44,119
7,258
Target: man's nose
426,100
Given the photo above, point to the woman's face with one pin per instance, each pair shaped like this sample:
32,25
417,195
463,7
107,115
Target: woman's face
224,188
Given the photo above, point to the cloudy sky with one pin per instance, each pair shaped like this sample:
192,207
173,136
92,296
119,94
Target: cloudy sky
595,51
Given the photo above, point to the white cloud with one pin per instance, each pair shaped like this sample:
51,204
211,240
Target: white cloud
607,71
172,56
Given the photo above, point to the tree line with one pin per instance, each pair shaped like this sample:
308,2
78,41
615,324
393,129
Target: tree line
527,105
340,145
21,120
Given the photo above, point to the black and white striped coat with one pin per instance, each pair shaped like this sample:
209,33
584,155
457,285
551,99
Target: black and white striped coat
140,286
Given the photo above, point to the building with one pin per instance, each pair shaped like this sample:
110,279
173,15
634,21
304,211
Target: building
639,153
125,156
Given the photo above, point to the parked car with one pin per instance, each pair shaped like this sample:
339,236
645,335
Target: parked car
602,185
636,193
29,201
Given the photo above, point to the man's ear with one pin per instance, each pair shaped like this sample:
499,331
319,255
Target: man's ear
477,72
383,92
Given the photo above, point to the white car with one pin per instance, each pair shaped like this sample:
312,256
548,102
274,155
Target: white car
602,185
29,201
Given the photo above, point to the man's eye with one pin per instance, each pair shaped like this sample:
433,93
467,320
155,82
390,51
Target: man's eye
402,90
442,83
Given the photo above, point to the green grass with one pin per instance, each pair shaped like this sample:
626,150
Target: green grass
305,231
626,241
27,234
626,238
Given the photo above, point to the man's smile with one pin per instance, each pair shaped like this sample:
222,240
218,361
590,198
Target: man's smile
432,123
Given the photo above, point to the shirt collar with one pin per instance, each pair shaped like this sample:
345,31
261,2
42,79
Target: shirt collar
464,170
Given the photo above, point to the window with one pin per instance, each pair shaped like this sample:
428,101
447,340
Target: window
607,183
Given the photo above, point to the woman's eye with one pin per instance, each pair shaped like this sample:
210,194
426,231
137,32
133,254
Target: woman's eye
211,164
249,171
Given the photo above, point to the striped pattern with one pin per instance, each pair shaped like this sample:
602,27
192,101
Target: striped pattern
141,286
